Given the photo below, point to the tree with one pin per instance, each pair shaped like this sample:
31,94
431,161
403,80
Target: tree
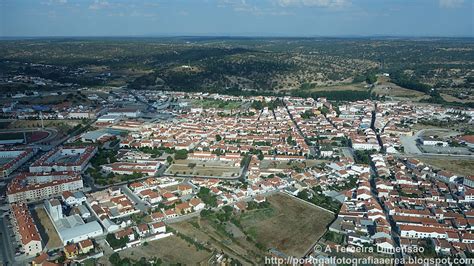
206,197
181,155
169,159
218,138
115,259
371,78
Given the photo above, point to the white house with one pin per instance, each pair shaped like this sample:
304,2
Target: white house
158,227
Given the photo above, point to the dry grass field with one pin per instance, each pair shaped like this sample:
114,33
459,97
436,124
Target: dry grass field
345,87
289,225
53,240
171,250
450,98
391,90
292,227
460,167
203,168
237,247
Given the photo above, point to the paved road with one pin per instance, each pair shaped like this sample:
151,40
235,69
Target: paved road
347,152
8,244
409,143
312,149
140,204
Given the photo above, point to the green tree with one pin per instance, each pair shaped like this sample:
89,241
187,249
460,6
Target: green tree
181,155
115,259
371,78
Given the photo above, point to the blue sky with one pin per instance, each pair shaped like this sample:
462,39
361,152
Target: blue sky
236,17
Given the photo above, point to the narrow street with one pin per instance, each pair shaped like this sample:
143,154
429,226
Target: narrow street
7,249
140,204
372,126
312,149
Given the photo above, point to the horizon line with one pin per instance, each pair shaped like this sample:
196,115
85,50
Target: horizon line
236,36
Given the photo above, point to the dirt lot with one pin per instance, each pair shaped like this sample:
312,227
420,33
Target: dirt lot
291,228
439,132
460,167
203,168
171,250
46,227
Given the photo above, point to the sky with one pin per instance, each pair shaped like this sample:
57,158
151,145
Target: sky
236,18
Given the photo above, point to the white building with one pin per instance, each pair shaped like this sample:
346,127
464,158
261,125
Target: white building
54,208
434,142
73,199
71,229
39,186
125,112
420,232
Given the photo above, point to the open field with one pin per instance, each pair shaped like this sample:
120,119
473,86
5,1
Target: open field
419,126
287,224
392,90
344,87
208,103
203,168
450,98
205,231
62,126
460,167
266,164
46,227
439,133
292,228
171,250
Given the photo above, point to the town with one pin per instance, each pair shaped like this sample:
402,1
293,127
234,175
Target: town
118,175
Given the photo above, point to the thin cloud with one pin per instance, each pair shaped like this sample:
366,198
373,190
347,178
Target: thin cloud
99,4
313,3
54,2
451,3
243,7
